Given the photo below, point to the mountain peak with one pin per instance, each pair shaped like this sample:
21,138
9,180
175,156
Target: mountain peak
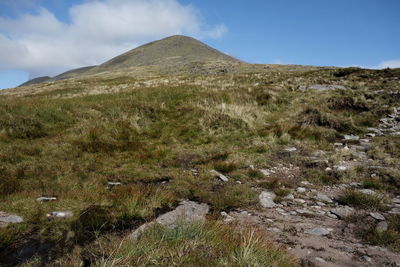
176,49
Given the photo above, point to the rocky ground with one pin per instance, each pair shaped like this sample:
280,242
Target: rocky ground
312,224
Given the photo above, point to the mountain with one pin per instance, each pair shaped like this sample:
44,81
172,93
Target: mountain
36,80
171,54
172,50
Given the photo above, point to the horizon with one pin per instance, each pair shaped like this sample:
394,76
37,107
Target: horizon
32,33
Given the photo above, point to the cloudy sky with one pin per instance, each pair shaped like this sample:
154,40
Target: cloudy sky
47,37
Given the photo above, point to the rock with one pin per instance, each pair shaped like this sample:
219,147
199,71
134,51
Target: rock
304,211
320,259
331,215
351,137
266,172
60,214
396,200
46,199
290,149
6,219
320,203
343,212
338,144
323,198
290,197
306,183
299,200
227,217
274,229
319,231
377,216
340,168
186,212
368,192
370,135
382,226
267,199
220,175
324,87
114,183
394,211
301,190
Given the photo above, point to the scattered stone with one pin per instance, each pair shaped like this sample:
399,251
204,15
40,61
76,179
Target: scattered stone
377,216
320,259
274,229
227,217
368,192
382,226
328,169
304,211
220,176
396,200
46,199
186,212
340,168
320,203
6,219
301,190
60,214
114,183
338,144
267,199
343,212
299,200
323,198
290,149
367,259
319,231
266,172
331,215
351,137
290,197
306,183
370,135
394,211
324,87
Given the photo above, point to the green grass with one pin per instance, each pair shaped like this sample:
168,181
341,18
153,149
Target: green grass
361,200
149,137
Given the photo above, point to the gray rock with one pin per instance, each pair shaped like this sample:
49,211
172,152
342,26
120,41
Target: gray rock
340,168
220,175
377,216
46,199
396,200
324,87
370,135
227,217
343,212
289,197
60,214
266,172
394,211
301,189
114,183
351,137
382,226
267,199
299,200
323,198
368,192
338,144
6,219
186,212
319,231
331,215
290,149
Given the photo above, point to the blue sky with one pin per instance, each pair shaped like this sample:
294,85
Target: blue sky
46,37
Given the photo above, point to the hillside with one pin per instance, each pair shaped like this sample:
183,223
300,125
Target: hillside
264,165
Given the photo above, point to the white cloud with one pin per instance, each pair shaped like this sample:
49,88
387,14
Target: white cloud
99,30
389,64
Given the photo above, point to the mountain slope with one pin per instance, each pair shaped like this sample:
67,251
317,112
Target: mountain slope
168,51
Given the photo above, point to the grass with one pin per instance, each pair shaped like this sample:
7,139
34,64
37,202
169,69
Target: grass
189,245
70,138
362,200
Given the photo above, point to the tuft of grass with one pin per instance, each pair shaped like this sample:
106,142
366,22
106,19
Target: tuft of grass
361,200
192,245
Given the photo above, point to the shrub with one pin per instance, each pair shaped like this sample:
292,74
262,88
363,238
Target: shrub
361,200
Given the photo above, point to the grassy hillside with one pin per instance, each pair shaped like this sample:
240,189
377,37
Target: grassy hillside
70,138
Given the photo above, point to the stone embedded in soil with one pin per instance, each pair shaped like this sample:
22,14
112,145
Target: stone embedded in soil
396,200
343,212
382,226
46,199
340,168
114,183
186,212
351,137
323,198
377,216
290,149
6,219
368,192
60,214
267,199
220,176
320,231
289,197
301,189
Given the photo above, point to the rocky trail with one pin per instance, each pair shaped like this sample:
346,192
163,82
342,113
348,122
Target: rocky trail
311,224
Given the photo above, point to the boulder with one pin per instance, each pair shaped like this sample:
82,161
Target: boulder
267,199
343,212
